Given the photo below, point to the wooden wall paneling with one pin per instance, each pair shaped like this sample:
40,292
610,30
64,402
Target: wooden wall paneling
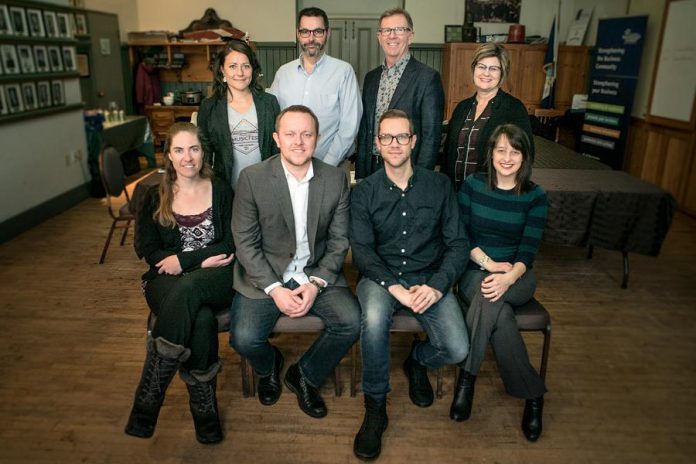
528,67
573,66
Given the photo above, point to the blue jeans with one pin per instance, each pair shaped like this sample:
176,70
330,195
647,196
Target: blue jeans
252,322
443,322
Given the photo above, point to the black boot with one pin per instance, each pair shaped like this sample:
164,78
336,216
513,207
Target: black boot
531,420
161,363
463,396
368,441
202,387
419,389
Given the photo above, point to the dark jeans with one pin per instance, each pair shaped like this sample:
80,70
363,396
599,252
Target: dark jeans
253,320
495,322
185,306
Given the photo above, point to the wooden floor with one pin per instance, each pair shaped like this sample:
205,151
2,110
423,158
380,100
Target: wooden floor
621,379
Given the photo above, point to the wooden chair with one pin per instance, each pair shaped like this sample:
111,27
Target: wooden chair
402,321
285,324
114,180
549,118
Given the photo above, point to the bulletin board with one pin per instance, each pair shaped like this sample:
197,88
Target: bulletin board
673,96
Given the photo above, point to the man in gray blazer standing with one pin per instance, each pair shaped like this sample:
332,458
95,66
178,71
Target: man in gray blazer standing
290,226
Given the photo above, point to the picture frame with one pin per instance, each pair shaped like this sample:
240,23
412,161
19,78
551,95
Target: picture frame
29,96
36,23
41,59
69,59
81,24
43,94
3,104
18,17
63,22
5,24
51,24
9,59
13,94
26,59
83,64
55,59
453,33
58,93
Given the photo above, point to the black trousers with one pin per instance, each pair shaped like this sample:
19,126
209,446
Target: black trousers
185,306
495,322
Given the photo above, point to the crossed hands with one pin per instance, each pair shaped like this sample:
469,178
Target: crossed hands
417,298
295,303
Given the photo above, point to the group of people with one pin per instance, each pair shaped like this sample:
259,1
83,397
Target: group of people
253,215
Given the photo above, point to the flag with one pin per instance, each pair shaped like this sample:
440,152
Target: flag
550,69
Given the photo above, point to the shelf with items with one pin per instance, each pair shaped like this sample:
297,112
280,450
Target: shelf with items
39,112
180,61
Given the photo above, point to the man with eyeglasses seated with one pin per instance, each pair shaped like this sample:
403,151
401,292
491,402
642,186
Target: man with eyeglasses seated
326,85
401,83
410,246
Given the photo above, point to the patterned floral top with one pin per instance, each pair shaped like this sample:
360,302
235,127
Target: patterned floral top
197,230
387,86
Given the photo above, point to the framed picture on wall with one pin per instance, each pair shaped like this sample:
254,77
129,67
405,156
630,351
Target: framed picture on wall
19,20
83,64
69,59
26,59
43,94
36,24
81,24
51,25
13,96
54,58
29,95
64,29
5,24
453,33
41,59
3,104
57,90
9,59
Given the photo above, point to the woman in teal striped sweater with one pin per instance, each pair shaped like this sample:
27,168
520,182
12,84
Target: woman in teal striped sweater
505,215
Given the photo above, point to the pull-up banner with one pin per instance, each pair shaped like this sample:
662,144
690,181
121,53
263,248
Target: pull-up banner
613,78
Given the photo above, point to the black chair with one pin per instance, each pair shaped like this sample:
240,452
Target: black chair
114,180
533,317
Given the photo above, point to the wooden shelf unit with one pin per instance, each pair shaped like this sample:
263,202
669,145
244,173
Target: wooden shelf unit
199,56
162,117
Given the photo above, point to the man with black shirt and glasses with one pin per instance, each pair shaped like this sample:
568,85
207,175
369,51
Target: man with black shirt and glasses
410,246
326,85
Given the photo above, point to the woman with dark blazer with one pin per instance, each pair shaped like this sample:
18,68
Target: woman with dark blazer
238,120
184,233
474,119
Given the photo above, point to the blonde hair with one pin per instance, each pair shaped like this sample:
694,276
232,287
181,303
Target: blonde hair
164,215
494,50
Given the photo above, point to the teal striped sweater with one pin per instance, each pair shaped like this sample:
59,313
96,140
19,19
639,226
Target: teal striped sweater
506,226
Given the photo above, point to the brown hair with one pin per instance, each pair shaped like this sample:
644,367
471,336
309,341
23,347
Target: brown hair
220,88
519,141
164,215
496,51
397,11
298,109
396,114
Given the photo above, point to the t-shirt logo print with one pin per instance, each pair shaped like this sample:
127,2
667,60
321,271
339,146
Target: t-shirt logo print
245,137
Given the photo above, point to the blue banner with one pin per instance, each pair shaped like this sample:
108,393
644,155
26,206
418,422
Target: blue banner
613,78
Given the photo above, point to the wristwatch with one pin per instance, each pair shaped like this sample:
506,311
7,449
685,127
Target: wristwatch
316,283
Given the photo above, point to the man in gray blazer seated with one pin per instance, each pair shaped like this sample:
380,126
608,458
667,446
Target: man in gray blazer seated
290,226
405,84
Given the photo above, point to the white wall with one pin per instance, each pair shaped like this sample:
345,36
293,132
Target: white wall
126,10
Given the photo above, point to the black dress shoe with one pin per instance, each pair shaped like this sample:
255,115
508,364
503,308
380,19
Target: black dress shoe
269,387
368,442
463,396
308,397
531,420
419,388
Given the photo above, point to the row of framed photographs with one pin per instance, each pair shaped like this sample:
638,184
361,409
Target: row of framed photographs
28,59
27,96
32,22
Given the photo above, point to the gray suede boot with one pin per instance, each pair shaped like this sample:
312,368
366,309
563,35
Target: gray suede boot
161,363
202,387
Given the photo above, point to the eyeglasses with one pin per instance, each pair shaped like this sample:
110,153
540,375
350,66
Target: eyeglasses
492,69
401,139
304,33
395,30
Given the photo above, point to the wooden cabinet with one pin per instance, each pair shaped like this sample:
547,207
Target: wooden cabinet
162,117
526,78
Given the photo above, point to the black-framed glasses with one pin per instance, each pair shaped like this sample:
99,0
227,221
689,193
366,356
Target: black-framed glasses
304,33
401,139
396,30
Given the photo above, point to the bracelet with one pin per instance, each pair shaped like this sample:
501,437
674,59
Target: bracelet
317,284
482,262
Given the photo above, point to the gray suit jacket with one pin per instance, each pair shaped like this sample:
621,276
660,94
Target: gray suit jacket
263,226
